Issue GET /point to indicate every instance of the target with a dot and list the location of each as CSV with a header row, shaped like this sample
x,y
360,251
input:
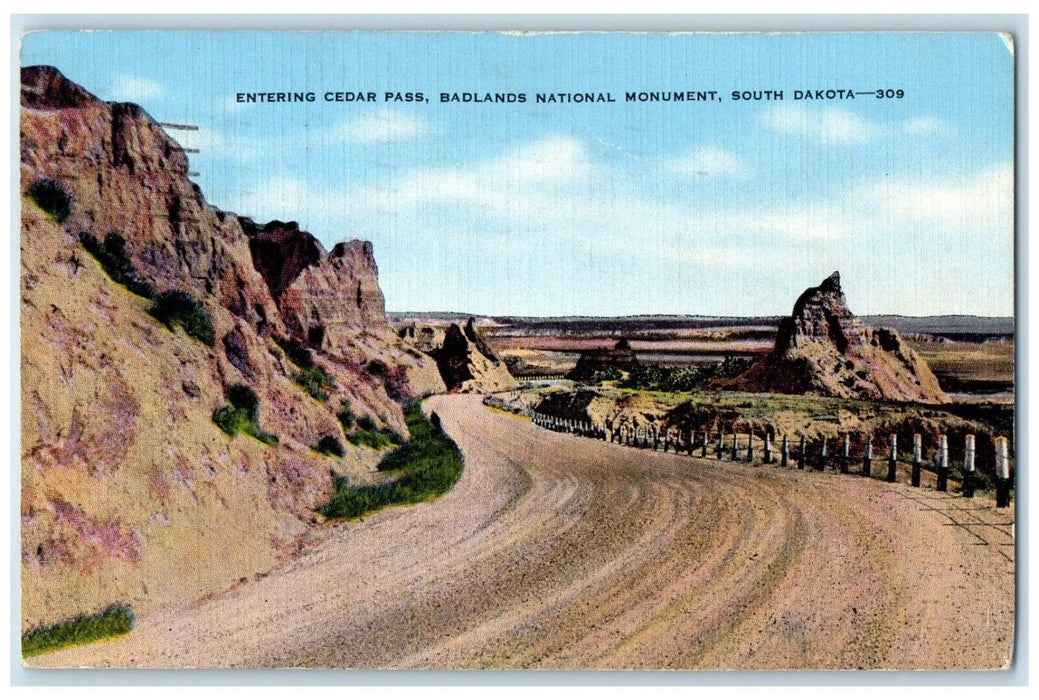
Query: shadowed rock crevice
x,y
280,252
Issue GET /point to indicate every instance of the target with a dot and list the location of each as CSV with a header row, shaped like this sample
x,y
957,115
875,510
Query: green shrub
x,y
346,417
244,397
311,378
316,382
177,308
231,420
300,356
377,439
429,465
242,415
53,198
112,622
116,263
683,379
369,434
328,445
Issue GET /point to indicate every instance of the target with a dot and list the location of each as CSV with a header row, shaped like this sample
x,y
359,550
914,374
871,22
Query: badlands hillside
x,y
146,313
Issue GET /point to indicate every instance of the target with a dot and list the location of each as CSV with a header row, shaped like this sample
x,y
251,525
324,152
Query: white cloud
x,y
829,126
548,200
841,127
926,126
385,126
709,162
965,205
128,88
504,186
556,159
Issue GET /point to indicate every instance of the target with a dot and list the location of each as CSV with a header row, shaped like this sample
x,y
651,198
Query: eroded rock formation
x,y
593,363
130,492
465,360
823,349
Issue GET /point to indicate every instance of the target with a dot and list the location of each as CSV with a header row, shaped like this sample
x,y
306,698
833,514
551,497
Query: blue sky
x,y
724,207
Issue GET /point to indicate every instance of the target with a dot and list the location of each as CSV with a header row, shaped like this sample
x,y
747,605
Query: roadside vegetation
x,y
428,466
368,434
679,379
111,622
365,432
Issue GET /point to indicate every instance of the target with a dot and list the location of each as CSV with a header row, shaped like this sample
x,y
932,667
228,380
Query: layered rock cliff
x,y
823,349
466,362
131,493
333,302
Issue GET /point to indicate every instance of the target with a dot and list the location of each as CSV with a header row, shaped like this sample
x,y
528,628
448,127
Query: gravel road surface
x,y
555,551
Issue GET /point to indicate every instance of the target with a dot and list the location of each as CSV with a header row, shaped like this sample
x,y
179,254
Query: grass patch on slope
x,y
242,415
368,434
52,197
429,465
111,622
177,308
311,378
111,253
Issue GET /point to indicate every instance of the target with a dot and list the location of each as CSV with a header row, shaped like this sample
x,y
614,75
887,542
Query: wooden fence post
x,y
845,454
867,457
968,467
917,460
768,449
719,449
822,456
943,463
892,460
703,447
750,447
1002,473
801,454
784,460
735,447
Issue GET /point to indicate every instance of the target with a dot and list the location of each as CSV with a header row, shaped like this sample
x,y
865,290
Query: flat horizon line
x,y
676,316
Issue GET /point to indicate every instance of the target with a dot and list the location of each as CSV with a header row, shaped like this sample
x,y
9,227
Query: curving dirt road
x,y
562,552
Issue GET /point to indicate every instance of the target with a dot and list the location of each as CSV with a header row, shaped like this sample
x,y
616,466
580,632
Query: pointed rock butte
x,y
823,349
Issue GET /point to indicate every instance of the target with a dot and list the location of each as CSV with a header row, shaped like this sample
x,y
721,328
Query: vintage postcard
x,y
489,350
